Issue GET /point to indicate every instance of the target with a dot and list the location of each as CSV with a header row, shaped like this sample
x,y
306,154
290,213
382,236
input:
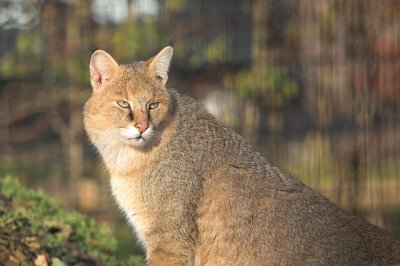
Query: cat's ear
x,y
159,64
102,69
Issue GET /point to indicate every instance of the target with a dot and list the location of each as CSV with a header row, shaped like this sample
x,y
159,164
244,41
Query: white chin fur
x,y
133,137
130,132
110,140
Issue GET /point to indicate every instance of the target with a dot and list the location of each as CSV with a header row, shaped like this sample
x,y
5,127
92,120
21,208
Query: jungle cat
x,y
197,194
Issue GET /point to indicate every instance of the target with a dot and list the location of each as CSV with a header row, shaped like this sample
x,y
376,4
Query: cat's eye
x,y
123,104
153,105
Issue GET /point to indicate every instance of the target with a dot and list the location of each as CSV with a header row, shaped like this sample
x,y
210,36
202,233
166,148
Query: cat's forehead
x,y
136,72
134,81
139,66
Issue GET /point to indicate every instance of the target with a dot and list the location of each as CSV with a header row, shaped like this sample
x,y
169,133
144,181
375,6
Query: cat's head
x,y
130,104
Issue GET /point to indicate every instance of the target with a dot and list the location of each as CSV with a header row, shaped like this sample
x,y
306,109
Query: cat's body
x,y
197,194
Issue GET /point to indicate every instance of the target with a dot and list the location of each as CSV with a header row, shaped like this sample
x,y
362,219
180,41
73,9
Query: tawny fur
x,y
197,194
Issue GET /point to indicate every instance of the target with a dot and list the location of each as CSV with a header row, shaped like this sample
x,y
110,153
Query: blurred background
x,y
313,85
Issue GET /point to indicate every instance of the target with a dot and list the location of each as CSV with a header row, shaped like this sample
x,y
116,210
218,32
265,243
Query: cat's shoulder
x,y
187,107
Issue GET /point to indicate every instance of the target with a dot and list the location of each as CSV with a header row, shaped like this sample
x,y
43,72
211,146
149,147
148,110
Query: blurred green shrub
x,y
272,86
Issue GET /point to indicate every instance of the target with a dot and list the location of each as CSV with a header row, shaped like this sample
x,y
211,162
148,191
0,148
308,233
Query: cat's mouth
x,y
135,142
135,138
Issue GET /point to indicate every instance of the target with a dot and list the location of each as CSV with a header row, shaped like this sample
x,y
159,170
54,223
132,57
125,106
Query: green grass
x,y
33,225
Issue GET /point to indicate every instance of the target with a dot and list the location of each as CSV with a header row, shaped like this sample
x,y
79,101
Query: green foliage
x,y
215,51
33,224
175,5
272,86
7,66
29,44
195,52
30,169
24,60
129,41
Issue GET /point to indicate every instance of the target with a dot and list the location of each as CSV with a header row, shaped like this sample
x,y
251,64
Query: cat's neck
x,y
123,160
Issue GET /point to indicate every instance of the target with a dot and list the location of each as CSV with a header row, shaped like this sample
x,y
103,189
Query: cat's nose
x,y
142,127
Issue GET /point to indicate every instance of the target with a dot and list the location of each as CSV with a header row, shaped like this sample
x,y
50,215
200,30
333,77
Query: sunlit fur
x,y
111,128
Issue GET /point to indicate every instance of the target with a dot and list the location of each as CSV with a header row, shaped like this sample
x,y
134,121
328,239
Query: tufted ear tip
x,y
102,69
159,64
